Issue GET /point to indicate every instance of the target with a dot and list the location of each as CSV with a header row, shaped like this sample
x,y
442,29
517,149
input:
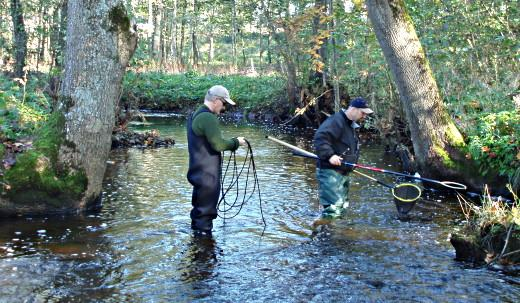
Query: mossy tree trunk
x,y
436,140
100,43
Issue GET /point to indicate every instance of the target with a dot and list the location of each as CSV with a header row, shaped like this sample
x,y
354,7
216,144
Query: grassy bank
x,y
158,91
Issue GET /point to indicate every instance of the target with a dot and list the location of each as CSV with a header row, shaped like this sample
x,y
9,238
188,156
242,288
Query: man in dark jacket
x,y
205,144
336,140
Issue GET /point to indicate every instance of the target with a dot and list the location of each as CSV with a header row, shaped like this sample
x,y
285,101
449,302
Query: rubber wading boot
x,y
334,211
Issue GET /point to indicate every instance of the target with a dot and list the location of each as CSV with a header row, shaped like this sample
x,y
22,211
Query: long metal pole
x,y
449,184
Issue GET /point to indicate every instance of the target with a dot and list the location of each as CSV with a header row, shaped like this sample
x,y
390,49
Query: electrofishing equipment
x,y
447,184
223,206
405,194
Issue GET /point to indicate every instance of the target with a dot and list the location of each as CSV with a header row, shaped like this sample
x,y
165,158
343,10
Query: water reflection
x,y
200,260
57,257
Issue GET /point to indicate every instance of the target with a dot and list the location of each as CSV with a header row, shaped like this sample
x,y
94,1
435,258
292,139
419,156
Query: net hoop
x,y
454,185
409,185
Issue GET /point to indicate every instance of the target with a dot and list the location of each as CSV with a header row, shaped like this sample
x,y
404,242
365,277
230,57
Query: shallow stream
x,y
139,246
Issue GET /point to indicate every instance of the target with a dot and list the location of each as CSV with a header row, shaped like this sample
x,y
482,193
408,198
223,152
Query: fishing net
x,y
405,196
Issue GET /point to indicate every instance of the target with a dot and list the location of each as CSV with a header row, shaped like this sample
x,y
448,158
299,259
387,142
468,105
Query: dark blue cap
x,y
361,104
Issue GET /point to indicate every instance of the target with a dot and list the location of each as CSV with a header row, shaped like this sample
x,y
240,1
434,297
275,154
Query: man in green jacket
x,y
205,144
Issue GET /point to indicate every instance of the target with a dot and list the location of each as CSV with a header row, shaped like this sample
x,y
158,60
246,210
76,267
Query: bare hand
x,y
335,160
241,140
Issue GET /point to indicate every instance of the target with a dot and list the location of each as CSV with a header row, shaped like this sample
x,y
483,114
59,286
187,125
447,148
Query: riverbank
x,y
491,137
491,233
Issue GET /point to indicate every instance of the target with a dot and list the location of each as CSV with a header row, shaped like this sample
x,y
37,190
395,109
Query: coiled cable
x,y
233,208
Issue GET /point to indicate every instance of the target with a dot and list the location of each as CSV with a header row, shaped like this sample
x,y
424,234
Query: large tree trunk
x,y
97,54
181,60
319,55
333,58
292,85
20,37
434,135
234,32
283,40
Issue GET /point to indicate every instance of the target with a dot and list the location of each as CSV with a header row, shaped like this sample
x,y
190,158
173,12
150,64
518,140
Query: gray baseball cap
x,y
220,91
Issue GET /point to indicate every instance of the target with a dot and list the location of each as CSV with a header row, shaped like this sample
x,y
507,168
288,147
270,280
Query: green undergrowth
x,y
23,106
494,143
161,91
35,177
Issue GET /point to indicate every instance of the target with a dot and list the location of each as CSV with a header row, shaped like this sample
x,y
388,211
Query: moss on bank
x,y
35,178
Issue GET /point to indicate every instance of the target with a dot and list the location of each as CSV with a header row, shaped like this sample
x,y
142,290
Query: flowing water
x,y
139,246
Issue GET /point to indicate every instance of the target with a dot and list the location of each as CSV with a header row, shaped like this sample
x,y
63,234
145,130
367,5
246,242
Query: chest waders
x,y
334,181
204,174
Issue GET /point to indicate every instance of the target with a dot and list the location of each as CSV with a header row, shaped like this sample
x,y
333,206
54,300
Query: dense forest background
x,y
471,45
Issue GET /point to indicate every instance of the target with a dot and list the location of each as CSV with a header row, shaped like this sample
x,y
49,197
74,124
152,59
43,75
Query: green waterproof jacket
x,y
206,124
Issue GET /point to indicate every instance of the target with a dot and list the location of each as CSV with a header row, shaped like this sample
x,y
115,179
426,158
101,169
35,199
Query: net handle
x,y
374,179
301,152
447,184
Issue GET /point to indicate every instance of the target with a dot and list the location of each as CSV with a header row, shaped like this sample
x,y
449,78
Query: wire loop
x,y
223,206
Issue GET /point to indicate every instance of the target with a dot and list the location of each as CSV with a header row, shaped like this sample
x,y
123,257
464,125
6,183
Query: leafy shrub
x,y
495,145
